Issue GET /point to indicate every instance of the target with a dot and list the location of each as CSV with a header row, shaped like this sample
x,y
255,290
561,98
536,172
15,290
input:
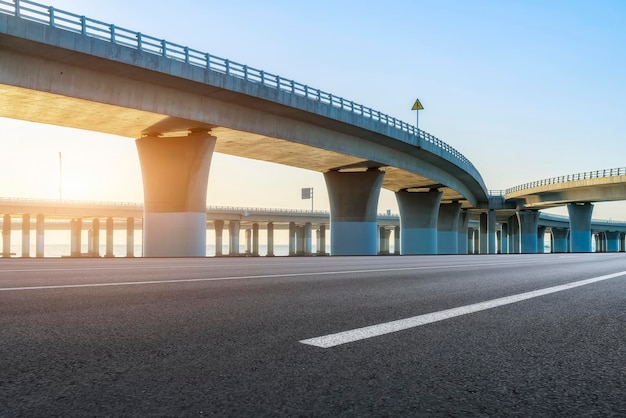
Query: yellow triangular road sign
x,y
417,105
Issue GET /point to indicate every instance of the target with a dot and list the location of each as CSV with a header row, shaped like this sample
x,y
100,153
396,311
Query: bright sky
x,y
526,89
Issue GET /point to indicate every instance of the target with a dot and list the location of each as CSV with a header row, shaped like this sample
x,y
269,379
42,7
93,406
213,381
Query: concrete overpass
x,y
181,105
577,191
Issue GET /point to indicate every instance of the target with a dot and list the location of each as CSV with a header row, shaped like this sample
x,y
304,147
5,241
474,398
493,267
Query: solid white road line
x,y
339,338
261,276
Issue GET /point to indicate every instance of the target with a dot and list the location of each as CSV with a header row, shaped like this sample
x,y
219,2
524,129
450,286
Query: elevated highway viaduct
x,y
181,105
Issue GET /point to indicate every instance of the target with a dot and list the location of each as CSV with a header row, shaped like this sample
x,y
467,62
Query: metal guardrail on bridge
x,y
56,18
612,172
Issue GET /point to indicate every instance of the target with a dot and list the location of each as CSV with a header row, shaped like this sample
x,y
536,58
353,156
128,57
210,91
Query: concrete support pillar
x,y
175,174
292,238
514,238
470,240
448,228
541,239
270,239
233,230
621,242
109,244
6,236
255,239
308,238
248,241
580,227
299,240
476,239
76,230
218,227
483,234
529,222
26,235
463,224
560,237
419,213
504,238
498,241
95,240
612,241
353,200
321,249
130,237
491,232
596,241
41,227
396,240
384,235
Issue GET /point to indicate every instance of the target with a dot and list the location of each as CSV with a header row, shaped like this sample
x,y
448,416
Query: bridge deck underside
x,y
47,108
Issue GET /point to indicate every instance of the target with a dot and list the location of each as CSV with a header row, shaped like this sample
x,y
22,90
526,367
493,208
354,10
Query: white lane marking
x,y
263,276
332,340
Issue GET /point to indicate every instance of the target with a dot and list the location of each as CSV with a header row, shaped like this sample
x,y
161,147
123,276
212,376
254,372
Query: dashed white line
x,y
332,340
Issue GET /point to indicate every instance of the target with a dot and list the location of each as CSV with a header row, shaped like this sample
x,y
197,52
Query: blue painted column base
x,y
354,238
419,241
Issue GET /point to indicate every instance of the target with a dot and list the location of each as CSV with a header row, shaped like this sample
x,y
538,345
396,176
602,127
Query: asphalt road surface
x,y
457,336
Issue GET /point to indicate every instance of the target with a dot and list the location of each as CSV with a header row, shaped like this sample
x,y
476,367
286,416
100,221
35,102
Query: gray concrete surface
x,y
220,337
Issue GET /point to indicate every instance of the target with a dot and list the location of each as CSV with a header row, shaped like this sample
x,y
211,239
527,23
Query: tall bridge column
x,y
448,228
463,223
308,238
175,174
41,226
26,235
491,232
396,240
514,247
621,242
218,227
529,223
255,239
270,239
95,243
233,235
541,239
76,228
109,244
560,238
504,237
580,227
300,240
321,249
483,234
353,211
130,237
612,241
384,240
469,238
292,238
6,236
419,213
